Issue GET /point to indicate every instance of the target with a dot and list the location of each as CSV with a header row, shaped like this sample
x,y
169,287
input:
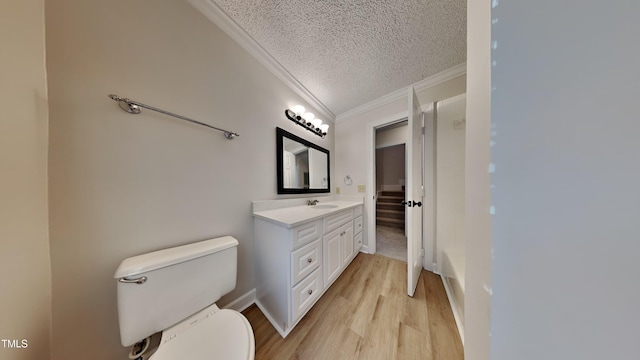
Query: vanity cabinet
x,y
295,264
288,270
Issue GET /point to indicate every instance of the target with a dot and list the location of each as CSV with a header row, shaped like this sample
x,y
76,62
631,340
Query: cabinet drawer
x,y
334,221
305,294
306,233
357,211
357,242
305,260
357,225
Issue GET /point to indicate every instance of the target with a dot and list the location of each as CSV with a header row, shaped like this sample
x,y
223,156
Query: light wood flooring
x,y
366,314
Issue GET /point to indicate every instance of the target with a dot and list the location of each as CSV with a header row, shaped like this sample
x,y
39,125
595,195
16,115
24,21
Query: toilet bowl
x,y
210,334
174,291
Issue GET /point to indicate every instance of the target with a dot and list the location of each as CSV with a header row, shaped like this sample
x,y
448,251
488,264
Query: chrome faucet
x,y
312,202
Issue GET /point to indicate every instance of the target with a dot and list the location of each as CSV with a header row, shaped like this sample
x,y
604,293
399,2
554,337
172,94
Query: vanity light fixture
x,y
307,120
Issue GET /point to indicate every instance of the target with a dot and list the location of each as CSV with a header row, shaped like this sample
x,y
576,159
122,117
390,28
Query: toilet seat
x,y
210,334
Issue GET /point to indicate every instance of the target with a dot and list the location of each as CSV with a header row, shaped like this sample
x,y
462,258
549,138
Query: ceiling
x,y
349,52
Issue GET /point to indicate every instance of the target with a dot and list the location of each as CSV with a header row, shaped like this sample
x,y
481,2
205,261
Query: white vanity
x,y
299,252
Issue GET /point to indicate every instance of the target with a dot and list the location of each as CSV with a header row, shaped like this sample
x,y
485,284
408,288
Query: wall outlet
x,y
337,190
362,188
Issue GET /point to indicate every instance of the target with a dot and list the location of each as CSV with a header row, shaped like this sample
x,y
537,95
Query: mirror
x,y
302,167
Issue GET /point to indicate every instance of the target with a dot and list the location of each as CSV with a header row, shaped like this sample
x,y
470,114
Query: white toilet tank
x,y
159,289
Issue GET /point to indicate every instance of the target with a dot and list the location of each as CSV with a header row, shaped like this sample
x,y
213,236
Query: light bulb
x,y
324,128
308,116
316,122
298,109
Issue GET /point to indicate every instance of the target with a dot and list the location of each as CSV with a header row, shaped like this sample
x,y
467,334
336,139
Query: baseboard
x,y
243,302
365,249
454,308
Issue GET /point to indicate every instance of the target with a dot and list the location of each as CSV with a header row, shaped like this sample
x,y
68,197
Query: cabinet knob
x,y
309,260
310,292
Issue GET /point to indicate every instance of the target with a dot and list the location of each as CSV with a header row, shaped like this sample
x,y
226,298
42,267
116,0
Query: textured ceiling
x,y
349,52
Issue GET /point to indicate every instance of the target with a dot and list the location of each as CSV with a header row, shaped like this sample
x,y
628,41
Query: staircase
x,y
389,209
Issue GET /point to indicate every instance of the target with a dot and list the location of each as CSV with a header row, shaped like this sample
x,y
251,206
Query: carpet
x,y
391,242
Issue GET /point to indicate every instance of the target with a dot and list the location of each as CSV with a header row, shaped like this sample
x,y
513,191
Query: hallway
x,y
391,242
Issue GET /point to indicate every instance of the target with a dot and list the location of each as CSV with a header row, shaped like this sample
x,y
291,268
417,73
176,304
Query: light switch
x,y
337,190
362,188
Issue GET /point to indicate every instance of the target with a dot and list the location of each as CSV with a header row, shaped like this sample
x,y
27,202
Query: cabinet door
x,y
347,243
332,261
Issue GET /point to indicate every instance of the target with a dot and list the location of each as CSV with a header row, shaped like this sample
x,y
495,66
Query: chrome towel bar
x,y
133,107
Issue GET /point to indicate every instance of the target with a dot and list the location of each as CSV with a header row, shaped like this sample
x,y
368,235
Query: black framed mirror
x,y
302,166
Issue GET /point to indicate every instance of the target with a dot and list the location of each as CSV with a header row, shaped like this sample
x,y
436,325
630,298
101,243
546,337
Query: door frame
x,y
429,168
428,240
370,201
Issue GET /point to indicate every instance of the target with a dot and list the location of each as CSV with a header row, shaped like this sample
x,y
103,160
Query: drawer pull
x,y
309,260
310,291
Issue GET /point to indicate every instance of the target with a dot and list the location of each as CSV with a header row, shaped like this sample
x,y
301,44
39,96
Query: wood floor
x,y
366,314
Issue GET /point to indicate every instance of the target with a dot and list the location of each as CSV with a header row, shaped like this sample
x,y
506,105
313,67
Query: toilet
x,y
174,291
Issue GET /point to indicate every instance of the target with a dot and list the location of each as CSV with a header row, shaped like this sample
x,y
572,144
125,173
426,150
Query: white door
x,y
414,192
288,169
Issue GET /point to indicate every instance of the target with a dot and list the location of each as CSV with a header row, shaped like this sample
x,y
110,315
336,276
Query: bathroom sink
x,y
325,206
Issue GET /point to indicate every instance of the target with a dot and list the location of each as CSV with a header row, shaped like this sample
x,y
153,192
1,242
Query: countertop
x,y
298,215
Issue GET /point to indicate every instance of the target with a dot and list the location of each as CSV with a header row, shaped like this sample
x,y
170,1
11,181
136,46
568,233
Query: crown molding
x,y
214,13
399,94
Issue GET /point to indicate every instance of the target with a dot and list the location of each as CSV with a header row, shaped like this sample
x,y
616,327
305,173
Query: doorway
x,y
419,190
390,164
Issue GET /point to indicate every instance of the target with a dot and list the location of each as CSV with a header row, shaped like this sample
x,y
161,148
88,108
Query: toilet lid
x,y
225,335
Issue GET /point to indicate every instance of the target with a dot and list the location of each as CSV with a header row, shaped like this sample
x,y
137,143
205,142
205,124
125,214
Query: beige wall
x,y
390,164
126,184
25,280
389,137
